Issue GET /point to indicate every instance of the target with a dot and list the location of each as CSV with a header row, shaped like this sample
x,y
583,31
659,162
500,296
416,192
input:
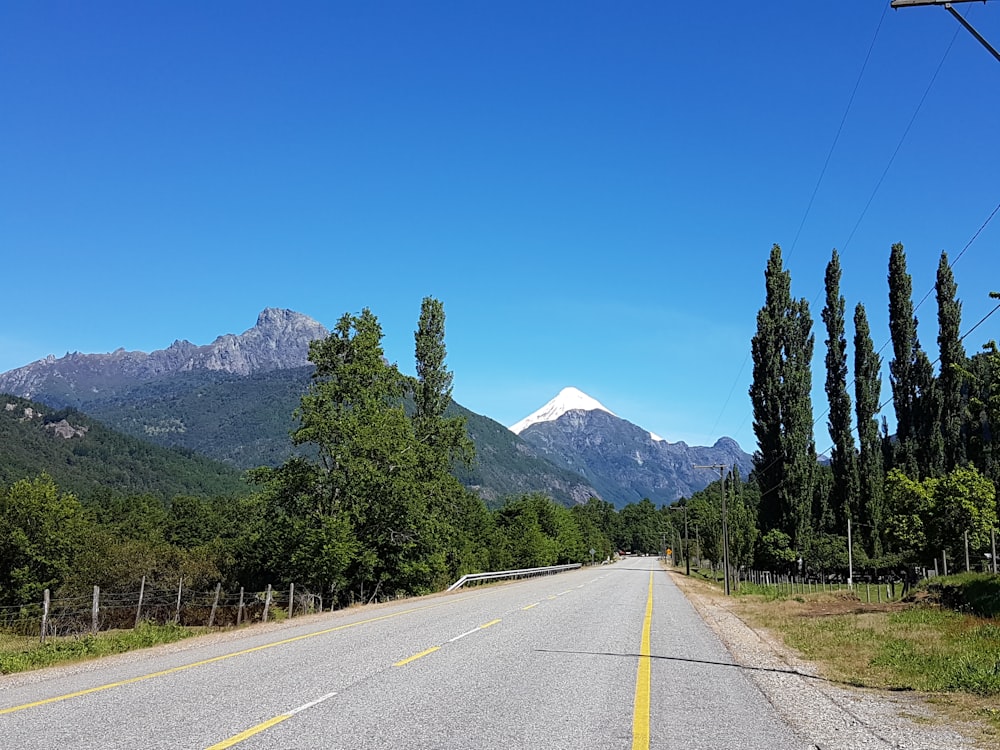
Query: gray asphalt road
x,y
553,662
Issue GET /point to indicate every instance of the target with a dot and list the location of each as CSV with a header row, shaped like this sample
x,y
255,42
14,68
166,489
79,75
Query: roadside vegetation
x,y
951,657
22,653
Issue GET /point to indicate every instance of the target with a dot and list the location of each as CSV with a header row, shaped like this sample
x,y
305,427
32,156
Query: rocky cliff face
x,y
279,340
624,462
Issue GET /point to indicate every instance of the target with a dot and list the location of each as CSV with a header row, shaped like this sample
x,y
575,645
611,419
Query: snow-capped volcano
x,y
569,399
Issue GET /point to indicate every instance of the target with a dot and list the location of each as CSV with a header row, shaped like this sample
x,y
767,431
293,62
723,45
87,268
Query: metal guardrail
x,y
523,573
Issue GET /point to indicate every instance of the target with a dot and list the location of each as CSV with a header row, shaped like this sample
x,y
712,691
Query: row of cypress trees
x,y
945,419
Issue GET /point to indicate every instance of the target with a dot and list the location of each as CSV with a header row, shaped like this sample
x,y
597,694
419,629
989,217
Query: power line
x,y
840,129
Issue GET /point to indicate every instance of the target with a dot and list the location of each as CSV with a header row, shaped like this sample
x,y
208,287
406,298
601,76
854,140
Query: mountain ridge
x,y
279,340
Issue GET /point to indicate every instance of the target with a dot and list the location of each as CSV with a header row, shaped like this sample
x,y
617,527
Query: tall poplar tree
x,y
867,392
843,460
953,363
445,438
457,516
780,394
902,367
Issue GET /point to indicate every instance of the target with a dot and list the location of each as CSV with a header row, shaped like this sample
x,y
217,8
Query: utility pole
x,y
725,521
687,539
897,4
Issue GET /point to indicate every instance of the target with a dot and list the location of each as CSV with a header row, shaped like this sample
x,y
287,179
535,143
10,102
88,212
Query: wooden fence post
x,y
94,609
45,613
215,604
138,610
239,610
177,612
267,602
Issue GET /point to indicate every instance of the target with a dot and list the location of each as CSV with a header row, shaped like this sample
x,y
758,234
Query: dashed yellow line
x,y
238,738
640,713
422,654
530,606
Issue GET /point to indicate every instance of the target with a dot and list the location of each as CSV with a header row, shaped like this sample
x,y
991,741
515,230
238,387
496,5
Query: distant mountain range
x,y
233,401
624,462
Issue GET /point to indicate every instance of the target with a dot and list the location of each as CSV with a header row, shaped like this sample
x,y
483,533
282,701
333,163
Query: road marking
x,y
530,606
223,657
246,734
422,654
640,713
475,630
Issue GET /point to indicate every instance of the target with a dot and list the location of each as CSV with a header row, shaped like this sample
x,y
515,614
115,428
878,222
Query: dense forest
x,y
371,508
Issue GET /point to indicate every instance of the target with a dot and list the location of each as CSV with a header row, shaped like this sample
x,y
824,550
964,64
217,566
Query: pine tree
x,y
780,393
953,363
843,460
867,392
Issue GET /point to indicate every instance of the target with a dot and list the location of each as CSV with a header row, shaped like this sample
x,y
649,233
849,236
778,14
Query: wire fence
x,y
122,609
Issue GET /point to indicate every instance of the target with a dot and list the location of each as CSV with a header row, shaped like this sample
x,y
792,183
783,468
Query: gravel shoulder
x,y
829,716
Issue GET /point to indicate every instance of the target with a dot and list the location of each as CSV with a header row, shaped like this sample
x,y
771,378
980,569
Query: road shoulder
x,y
827,715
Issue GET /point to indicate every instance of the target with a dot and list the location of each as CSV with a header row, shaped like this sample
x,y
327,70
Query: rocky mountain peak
x,y
279,340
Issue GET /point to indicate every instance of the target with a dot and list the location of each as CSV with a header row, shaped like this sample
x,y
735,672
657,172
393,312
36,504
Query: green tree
x,y
363,488
455,516
843,460
867,393
964,502
902,367
641,527
42,531
909,505
983,376
741,516
775,552
780,394
953,365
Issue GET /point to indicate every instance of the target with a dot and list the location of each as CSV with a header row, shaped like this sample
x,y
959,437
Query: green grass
x,y
18,654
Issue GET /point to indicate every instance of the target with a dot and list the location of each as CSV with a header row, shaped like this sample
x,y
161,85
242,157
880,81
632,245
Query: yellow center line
x,y
640,713
246,734
407,660
223,657
530,606
488,624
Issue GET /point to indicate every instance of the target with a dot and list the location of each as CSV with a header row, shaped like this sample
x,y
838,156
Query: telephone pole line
x,y
897,4
725,521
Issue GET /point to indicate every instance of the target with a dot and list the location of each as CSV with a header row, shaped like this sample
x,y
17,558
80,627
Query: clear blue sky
x,y
591,189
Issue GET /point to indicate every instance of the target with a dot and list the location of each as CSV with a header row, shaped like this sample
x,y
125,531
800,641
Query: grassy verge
x,y
19,654
951,658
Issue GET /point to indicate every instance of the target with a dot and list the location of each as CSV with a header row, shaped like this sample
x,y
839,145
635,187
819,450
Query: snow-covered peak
x,y
569,399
